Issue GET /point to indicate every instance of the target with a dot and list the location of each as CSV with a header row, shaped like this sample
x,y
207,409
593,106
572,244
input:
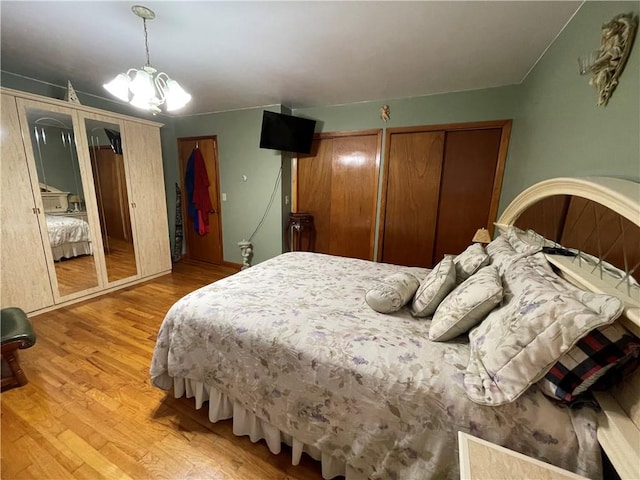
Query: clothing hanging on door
x,y
197,185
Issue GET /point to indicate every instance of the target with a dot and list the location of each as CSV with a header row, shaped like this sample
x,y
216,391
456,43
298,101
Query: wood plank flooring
x,y
89,410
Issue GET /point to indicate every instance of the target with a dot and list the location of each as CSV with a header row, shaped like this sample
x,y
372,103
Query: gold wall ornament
x,y
385,113
615,46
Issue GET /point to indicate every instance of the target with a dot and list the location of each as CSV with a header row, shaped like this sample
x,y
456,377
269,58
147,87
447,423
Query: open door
x,y
206,247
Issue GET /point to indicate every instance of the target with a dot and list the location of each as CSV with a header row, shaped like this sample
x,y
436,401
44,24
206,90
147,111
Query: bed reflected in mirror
x,y
107,164
59,177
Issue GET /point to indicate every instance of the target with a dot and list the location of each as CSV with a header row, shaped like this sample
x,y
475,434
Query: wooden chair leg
x,y
12,359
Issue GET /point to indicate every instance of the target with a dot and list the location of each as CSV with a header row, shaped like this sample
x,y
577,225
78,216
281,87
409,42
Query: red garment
x,y
203,228
201,198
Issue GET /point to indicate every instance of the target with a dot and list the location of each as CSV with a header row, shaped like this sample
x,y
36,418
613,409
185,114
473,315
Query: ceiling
x,y
234,55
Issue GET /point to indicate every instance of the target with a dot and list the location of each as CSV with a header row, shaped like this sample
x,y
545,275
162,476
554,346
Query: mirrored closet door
x,y
105,145
61,178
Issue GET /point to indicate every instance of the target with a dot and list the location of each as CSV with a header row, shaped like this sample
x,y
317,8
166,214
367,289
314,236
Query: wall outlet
x,y
286,199
224,197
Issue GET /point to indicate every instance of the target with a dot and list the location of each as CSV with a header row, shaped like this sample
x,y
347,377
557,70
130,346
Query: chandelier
x,y
147,88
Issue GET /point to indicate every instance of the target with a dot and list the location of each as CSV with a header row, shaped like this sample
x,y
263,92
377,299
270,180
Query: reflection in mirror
x,y
107,163
56,158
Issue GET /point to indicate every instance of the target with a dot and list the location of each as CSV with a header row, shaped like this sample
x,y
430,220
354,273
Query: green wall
x,y
475,105
238,134
558,130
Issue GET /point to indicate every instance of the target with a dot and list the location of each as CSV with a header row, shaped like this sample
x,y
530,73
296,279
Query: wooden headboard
x,y
53,200
599,219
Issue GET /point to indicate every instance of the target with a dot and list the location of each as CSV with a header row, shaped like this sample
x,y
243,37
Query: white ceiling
x,y
233,55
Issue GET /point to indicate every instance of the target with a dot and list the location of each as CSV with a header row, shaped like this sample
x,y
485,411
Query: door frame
x,y
185,213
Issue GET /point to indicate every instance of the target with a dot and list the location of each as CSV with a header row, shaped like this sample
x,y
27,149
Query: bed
x,y
68,236
293,352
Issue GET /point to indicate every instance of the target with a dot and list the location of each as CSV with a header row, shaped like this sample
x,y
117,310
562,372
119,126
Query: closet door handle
x,y
212,211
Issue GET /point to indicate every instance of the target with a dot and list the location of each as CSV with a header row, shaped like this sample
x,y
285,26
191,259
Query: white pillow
x,y
467,305
502,254
518,343
392,293
470,261
435,286
519,245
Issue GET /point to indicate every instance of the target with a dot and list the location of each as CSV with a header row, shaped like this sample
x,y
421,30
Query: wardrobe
x,y
83,202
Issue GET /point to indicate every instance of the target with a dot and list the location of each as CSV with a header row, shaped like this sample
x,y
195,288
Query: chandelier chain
x,y
146,40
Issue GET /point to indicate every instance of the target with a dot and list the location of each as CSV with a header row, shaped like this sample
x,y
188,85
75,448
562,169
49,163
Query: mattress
x,y
294,343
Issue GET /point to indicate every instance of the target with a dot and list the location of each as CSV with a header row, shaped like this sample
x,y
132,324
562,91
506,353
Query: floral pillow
x,y
467,305
519,245
503,255
589,360
517,344
393,292
435,286
470,261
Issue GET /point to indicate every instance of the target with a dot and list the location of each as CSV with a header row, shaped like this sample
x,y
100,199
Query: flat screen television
x,y
286,133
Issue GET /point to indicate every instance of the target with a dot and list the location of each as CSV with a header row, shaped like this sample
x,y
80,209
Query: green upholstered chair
x,y
17,333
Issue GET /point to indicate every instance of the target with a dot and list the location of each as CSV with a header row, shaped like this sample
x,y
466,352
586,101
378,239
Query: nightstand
x,y
482,460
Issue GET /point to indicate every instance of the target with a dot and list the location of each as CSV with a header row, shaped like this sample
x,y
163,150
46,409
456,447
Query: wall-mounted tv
x,y
286,133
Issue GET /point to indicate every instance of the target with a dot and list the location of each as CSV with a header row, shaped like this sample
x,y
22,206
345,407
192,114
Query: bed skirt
x,y
222,407
70,250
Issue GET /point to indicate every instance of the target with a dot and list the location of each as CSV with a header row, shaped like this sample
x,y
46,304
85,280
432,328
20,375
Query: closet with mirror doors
x,y
81,174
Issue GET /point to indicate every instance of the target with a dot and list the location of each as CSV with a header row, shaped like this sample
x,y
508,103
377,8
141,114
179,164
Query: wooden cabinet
x,y
146,187
106,164
24,270
440,184
338,184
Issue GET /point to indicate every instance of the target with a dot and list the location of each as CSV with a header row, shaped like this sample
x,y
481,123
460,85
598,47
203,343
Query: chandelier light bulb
x,y
145,87
176,96
119,87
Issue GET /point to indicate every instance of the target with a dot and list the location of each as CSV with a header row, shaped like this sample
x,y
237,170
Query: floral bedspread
x,y
66,230
293,340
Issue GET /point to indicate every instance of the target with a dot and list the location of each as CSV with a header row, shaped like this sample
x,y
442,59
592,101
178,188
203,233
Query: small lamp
x,y
482,236
75,200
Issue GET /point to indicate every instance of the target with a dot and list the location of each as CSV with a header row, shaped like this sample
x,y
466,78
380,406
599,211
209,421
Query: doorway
x,y
202,247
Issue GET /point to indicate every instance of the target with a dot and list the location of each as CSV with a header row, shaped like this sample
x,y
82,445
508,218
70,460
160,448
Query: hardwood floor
x,y
75,274
89,410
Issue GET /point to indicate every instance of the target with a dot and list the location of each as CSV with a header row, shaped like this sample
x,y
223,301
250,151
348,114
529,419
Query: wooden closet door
x,y
354,188
111,185
412,190
466,188
314,190
338,185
